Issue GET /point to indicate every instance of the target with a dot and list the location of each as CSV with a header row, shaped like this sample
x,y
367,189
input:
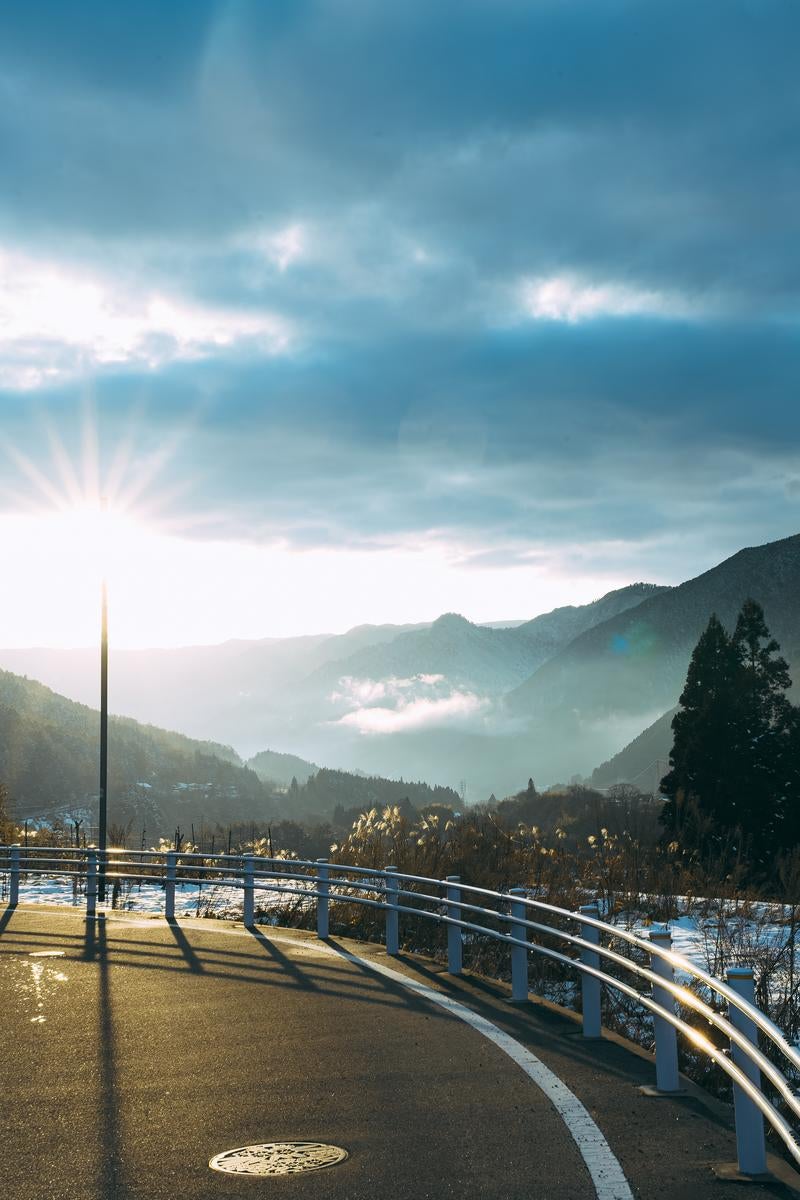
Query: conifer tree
x,y
760,731
736,754
702,770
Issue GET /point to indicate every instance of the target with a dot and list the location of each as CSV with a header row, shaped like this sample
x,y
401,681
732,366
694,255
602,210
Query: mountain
x,y
625,672
159,780
469,706
636,662
307,694
344,796
644,761
49,752
487,659
272,767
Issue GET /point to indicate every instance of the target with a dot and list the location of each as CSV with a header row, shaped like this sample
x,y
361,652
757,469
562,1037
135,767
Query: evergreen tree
x,y
787,832
734,760
763,719
702,771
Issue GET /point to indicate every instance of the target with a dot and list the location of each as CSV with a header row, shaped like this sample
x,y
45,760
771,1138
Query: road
x,y
135,1050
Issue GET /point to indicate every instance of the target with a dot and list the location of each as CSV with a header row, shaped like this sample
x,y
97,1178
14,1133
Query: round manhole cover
x,y
278,1158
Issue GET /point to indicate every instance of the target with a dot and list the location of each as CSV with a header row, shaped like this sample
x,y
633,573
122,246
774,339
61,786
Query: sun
x,y
92,515
102,534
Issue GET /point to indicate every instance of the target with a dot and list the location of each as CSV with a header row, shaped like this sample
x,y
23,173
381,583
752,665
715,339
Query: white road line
x,y
606,1173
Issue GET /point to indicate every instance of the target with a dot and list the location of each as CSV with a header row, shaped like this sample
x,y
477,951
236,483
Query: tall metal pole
x,y
103,815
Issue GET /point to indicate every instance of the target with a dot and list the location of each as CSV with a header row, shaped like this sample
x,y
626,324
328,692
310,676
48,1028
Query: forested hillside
x,y
49,752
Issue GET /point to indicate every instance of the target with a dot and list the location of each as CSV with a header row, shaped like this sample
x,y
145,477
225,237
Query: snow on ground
x,y
215,899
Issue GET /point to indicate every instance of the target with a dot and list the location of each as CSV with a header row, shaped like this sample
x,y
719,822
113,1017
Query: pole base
x,y
731,1174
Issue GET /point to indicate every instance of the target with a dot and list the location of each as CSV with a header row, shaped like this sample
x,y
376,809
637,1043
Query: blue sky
x,y
505,289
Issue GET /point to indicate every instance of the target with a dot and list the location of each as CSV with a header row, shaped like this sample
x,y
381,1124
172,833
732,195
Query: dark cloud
x,y
654,141
429,159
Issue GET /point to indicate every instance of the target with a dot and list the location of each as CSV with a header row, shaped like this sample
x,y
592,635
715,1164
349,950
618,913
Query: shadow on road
x,y
192,961
109,1182
403,995
282,960
251,956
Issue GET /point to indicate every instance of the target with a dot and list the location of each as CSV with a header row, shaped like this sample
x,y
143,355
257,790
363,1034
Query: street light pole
x,y
103,815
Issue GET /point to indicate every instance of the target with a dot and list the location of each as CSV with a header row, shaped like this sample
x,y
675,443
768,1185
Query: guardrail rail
x,y
589,945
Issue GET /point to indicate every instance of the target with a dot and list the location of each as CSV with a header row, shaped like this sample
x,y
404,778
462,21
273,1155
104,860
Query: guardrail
x,y
590,945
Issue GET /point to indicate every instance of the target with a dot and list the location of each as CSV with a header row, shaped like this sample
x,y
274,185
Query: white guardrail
x,y
462,908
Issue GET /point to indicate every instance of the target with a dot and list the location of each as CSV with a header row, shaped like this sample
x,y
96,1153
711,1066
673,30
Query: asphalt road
x,y
134,1051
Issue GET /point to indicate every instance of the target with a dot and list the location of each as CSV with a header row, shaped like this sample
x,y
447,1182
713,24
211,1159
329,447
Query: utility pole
x,y
103,815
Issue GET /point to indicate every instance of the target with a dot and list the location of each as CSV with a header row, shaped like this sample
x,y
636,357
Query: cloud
x,y
396,705
562,298
516,280
624,143
282,247
360,692
421,713
56,320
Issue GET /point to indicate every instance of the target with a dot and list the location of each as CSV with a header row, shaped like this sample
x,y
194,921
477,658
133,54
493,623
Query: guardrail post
x,y
169,886
667,1076
590,987
13,877
249,904
392,915
91,884
323,888
454,949
750,1147
519,955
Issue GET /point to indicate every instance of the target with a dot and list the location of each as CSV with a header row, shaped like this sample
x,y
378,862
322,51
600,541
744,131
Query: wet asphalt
x,y
135,1050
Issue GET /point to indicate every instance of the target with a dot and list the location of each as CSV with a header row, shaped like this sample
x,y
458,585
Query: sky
x,y
365,312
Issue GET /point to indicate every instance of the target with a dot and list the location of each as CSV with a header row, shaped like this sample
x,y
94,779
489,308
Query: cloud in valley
x,y
405,705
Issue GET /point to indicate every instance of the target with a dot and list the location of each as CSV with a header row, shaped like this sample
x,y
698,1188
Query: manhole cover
x,y
278,1158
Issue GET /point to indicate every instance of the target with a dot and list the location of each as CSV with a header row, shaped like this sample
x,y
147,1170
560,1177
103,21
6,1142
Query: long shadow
x,y
8,913
109,1183
192,961
406,997
539,1027
542,1027
90,941
326,979
284,962
290,974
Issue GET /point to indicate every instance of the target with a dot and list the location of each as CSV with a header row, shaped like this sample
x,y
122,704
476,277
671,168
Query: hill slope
x,y
49,751
636,662
644,761
272,767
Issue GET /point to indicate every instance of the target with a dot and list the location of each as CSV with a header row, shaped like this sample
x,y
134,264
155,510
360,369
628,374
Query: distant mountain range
x,y
475,707
484,658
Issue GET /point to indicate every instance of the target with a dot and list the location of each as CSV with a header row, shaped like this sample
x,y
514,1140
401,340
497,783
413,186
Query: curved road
x,y
135,1050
